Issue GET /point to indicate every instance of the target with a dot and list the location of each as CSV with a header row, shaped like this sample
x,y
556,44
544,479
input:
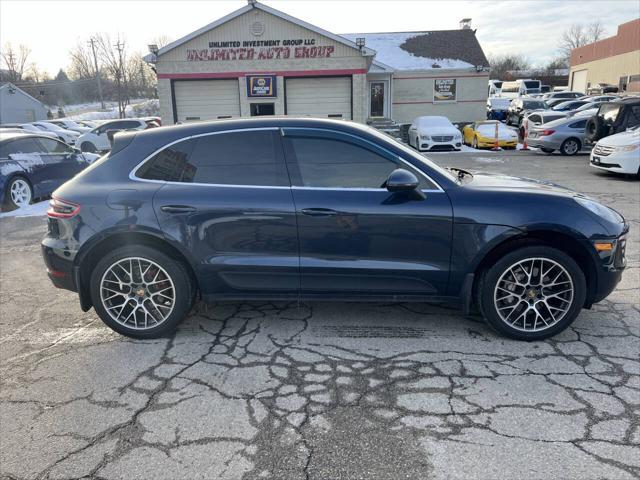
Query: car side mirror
x,y
401,180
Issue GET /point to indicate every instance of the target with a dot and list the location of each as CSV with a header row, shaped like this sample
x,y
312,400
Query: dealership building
x,y
261,61
614,60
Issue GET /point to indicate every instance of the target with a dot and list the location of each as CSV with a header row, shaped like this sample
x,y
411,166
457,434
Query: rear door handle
x,y
319,212
177,209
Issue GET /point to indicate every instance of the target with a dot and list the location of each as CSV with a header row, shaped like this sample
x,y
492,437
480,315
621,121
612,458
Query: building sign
x,y
444,90
261,85
260,50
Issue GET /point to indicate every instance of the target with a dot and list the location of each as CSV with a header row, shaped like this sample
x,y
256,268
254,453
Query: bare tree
x,y
113,56
578,35
501,64
15,61
33,74
161,40
82,65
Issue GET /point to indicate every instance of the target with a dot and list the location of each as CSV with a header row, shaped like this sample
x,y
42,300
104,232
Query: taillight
x,y
62,208
547,132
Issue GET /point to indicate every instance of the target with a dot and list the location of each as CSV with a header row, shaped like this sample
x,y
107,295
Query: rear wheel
x,y
140,292
532,293
18,193
570,146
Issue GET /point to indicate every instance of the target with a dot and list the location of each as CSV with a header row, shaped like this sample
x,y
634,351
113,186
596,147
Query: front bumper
x,y
627,163
490,143
612,264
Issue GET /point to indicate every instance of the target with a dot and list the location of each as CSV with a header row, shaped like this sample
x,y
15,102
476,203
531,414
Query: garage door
x,y
579,81
319,97
206,99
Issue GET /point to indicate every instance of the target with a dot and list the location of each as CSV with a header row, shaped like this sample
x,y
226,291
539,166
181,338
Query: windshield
x,y
532,84
586,106
434,122
534,104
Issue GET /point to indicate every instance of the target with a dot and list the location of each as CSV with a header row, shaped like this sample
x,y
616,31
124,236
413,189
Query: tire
x,y
168,303
570,147
547,150
594,129
567,304
88,147
18,193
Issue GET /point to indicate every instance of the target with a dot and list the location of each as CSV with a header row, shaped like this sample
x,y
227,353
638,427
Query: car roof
x,y
11,135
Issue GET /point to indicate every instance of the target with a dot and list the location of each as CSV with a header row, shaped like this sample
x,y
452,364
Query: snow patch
x,y
33,210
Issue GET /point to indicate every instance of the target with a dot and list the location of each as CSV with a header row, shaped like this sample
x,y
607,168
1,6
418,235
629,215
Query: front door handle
x,y
319,212
177,209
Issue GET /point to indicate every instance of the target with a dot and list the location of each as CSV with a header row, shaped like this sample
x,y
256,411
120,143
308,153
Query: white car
x,y
70,125
619,153
434,133
97,140
67,136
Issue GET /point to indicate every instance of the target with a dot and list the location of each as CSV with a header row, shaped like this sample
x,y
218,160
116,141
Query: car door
x,y
27,153
226,200
64,162
356,237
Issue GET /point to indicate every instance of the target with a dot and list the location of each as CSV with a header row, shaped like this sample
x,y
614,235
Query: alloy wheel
x,y
570,147
20,192
137,293
533,294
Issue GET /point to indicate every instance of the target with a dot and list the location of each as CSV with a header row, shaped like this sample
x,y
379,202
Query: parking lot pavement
x,y
324,390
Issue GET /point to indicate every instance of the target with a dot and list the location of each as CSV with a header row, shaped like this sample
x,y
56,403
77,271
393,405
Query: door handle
x,y
319,212
177,209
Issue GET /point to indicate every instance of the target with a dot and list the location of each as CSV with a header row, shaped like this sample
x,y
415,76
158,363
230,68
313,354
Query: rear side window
x,y
580,124
23,145
235,158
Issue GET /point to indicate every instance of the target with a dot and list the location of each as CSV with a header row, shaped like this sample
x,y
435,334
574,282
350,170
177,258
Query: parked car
x,y
70,125
90,124
565,135
482,134
67,136
569,105
317,209
434,133
539,117
599,98
97,139
588,112
600,88
25,127
619,153
613,117
566,94
497,108
519,106
33,166
156,120
545,88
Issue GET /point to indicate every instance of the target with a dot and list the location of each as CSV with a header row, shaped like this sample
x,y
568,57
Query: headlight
x,y
600,210
458,136
628,148
425,137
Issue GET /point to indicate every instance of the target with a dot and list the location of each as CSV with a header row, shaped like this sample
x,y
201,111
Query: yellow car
x,y
482,134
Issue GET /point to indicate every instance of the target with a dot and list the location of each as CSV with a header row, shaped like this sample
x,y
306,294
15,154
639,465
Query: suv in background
x,y
600,88
97,140
613,117
520,106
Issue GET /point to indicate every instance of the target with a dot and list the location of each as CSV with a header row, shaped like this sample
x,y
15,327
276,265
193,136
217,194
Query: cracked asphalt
x,y
321,390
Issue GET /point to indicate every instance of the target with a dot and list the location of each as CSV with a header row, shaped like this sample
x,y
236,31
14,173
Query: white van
x,y
495,88
519,88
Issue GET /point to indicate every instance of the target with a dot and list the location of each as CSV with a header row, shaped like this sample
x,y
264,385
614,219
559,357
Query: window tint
x,y
580,124
331,163
236,158
50,145
168,164
534,118
23,145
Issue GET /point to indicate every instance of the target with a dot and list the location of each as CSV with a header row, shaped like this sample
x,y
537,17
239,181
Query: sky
x,y
51,28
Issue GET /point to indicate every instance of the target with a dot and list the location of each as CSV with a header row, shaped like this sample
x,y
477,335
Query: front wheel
x,y
88,147
532,293
18,193
140,292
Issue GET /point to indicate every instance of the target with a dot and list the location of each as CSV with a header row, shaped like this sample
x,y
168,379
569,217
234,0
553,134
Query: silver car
x,y
565,135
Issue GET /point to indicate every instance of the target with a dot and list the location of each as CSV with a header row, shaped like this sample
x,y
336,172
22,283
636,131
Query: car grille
x,y
603,150
442,138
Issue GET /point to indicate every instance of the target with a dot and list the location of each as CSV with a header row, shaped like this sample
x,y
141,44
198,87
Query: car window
x,y
235,158
580,124
125,124
50,145
334,163
551,118
534,118
23,145
634,116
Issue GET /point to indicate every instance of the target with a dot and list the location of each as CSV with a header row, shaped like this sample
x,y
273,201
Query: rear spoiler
x,y
119,139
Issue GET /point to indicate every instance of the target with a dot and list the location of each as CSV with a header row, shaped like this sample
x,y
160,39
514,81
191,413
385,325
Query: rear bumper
x,y
60,267
544,142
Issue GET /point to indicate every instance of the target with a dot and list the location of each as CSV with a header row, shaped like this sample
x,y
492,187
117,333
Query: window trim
x,y
132,174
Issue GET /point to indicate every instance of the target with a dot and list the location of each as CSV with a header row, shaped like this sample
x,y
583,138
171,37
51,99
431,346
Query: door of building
x,y
377,98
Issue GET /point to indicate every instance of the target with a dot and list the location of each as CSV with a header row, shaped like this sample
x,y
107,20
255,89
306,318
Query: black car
x,y
613,117
311,209
32,166
520,106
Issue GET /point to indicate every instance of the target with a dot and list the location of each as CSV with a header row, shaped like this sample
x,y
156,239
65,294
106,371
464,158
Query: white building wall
x,y
18,107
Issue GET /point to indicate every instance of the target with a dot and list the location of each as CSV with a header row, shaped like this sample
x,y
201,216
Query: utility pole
x,y
120,78
143,80
92,42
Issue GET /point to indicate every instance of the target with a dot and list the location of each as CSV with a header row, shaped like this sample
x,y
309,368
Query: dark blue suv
x,y
310,209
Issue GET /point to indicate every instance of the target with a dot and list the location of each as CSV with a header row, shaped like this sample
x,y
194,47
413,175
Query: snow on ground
x,y
91,111
388,51
33,210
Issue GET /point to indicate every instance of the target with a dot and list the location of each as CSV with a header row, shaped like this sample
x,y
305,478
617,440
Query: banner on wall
x,y
261,86
444,90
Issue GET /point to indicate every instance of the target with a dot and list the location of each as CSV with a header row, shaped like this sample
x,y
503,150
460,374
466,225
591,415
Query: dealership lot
x,y
321,390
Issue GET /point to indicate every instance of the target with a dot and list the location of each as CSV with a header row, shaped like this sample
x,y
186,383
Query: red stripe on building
x,y
286,73
427,101
446,76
